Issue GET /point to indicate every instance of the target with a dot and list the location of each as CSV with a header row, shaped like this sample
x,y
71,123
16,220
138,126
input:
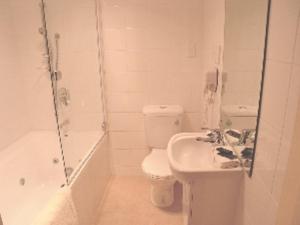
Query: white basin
x,y
190,157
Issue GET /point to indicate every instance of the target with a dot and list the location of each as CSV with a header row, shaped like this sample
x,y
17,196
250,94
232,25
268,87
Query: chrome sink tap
x,y
216,136
246,135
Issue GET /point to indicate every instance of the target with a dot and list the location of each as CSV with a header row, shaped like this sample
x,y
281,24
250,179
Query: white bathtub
x,y
30,157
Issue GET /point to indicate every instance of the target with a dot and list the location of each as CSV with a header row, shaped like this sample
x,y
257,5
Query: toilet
x,y
161,123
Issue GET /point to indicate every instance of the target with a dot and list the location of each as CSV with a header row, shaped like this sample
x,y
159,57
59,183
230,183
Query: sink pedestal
x,y
213,199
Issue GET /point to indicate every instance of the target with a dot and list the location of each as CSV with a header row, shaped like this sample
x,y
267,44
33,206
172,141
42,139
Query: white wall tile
x,y
126,122
265,162
287,132
281,95
113,39
131,157
135,39
155,67
297,50
284,20
276,88
192,122
125,102
137,61
128,140
113,14
126,82
22,82
115,61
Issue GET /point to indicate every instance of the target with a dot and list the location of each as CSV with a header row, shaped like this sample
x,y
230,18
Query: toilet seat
x,y
156,165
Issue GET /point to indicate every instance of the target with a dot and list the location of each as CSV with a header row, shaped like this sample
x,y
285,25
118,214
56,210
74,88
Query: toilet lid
x,y
156,164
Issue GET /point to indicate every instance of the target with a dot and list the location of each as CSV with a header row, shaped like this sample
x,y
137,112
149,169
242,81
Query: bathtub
x,y
28,176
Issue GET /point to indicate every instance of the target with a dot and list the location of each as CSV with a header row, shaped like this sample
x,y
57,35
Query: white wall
x,y
213,45
153,55
76,23
25,87
32,67
13,111
27,94
296,219
281,94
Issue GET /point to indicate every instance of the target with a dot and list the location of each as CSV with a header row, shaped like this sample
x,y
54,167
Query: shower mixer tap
x,y
64,96
64,127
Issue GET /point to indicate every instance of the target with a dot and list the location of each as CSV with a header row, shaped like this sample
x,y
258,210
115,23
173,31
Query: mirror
x,y
244,52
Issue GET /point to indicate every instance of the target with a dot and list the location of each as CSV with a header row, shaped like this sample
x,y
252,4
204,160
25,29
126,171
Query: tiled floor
x,y
128,203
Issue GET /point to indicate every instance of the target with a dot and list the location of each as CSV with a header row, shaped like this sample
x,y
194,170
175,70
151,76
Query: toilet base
x,y
162,193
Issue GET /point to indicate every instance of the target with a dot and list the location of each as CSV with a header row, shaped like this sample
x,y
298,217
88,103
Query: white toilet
x,y
161,123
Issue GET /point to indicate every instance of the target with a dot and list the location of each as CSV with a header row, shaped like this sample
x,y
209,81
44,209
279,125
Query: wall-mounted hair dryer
x,y
212,80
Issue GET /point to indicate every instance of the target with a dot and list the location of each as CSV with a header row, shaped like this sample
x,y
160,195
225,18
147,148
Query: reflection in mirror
x,y
245,31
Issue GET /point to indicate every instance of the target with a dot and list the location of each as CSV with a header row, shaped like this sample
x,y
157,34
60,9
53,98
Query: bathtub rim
x,y
80,166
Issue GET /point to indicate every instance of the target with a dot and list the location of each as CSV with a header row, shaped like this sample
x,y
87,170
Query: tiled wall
x,y
153,55
289,206
280,100
243,54
33,64
13,113
25,85
296,219
76,23
213,42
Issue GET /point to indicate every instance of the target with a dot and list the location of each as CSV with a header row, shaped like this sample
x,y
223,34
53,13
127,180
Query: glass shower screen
x,y
74,45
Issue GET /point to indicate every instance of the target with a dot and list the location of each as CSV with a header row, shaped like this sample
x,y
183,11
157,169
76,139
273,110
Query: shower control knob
x,y
41,30
22,181
55,160
177,122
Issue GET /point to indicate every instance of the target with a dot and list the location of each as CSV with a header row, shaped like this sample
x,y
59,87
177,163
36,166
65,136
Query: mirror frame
x,y
261,87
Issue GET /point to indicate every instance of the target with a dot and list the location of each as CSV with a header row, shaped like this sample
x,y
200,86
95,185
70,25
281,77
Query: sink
x,y
191,156
196,162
